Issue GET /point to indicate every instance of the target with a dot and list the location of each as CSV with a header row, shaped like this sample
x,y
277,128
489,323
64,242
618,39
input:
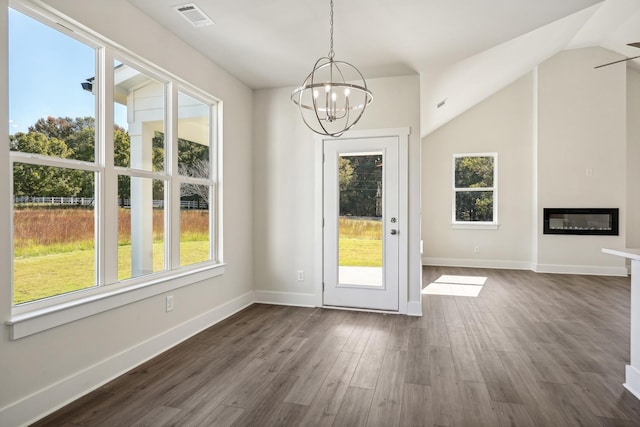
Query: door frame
x,y
402,136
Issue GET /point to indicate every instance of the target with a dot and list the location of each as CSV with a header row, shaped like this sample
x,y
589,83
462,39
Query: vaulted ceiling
x,y
464,50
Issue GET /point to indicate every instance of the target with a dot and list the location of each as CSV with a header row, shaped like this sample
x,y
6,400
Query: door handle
x,y
394,231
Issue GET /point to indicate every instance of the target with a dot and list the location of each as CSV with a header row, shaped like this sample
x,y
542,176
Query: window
x,y
96,210
475,192
194,167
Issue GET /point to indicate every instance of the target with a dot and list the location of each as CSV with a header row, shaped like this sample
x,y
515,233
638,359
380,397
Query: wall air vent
x,y
194,15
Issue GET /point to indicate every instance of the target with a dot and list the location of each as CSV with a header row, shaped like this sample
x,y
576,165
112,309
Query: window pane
x,y
140,226
474,206
139,114
193,137
474,172
194,224
360,222
49,112
53,225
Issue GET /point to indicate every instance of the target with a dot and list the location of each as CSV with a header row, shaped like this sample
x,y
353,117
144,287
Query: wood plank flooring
x,y
530,350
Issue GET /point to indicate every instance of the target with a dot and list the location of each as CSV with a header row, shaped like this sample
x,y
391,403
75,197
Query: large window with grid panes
x,y
115,167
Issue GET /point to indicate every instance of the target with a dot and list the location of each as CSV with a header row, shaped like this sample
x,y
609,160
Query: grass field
x,y
54,249
360,242
55,274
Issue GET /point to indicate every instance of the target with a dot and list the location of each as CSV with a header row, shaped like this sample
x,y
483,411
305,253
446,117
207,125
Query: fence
x,y
89,201
78,201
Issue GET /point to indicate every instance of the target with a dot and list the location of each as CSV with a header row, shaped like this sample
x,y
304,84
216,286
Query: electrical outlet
x,y
300,275
169,302
476,249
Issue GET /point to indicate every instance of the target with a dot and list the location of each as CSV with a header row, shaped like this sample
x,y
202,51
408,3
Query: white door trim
x,y
403,209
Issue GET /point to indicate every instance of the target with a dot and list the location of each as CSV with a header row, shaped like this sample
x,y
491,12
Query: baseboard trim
x,y
285,298
477,263
523,265
580,269
632,380
55,396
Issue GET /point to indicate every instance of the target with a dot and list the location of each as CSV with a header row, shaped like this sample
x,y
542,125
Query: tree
x,y
199,169
78,142
193,161
345,173
474,172
38,143
78,134
190,153
157,151
68,138
358,195
82,142
122,158
52,127
37,180
121,147
474,206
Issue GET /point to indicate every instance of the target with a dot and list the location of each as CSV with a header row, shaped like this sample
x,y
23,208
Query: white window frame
x,y
475,225
32,317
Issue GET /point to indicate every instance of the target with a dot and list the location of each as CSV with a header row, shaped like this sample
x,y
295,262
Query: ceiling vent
x,y
193,14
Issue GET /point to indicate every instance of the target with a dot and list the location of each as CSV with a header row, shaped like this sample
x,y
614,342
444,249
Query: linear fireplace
x,y
595,221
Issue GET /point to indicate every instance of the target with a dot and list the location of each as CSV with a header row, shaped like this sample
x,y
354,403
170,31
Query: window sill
x,y
25,324
476,226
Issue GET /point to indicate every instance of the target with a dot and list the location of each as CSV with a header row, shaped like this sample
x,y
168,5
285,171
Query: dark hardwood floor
x,y
530,350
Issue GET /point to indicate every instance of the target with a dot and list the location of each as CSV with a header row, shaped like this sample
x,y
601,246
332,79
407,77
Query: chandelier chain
x,y
331,53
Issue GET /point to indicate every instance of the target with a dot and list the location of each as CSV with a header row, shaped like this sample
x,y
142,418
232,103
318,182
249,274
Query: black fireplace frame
x,y
613,230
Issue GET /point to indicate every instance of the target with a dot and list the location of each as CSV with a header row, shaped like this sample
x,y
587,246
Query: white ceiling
x,y
275,43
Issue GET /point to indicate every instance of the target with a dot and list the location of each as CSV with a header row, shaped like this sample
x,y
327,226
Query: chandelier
x,y
334,95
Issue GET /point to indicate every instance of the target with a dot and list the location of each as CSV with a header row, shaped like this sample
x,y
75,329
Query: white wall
x,y
548,129
285,186
501,124
581,125
633,159
44,370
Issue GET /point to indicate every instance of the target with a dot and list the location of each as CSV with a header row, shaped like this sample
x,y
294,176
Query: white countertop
x,y
632,253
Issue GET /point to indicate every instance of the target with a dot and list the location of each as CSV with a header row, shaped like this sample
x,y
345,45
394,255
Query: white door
x,y
361,226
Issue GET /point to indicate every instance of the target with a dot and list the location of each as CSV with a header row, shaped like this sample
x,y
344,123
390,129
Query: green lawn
x,y
360,252
42,271
360,242
44,276
54,274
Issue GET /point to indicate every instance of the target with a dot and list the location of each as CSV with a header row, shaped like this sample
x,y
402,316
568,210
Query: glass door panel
x,y
360,247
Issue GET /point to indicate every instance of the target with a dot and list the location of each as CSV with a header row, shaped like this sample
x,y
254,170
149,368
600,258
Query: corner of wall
x,y
63,392
632,238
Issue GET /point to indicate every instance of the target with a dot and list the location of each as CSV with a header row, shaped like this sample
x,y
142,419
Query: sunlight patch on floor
x,y
458,286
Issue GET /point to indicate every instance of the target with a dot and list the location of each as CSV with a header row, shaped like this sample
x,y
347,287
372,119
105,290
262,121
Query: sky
x,y
46,69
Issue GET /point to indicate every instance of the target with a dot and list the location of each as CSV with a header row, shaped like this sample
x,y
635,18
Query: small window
x,y
475,187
